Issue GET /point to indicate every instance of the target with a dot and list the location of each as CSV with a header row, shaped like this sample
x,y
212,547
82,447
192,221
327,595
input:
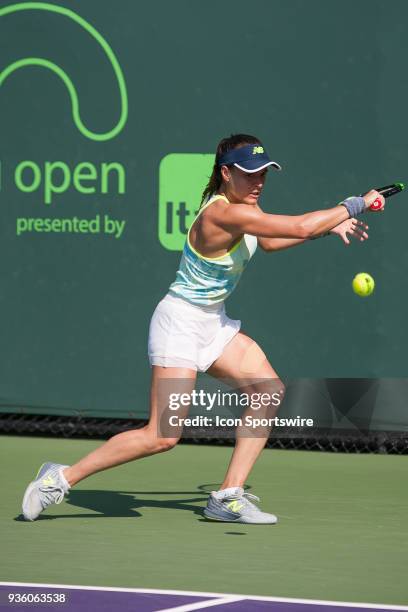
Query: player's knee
x,y
165,444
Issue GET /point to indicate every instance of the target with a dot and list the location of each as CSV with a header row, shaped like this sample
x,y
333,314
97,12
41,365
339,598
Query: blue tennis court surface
x,y
69,598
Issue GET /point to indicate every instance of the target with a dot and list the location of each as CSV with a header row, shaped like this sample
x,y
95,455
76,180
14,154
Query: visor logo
x,y
256,150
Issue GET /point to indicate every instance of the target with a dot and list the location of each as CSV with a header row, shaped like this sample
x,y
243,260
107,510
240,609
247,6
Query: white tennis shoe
x,y
235,506
49,487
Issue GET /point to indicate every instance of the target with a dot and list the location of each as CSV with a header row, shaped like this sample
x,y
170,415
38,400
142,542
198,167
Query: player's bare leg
x,y
54,480
244,365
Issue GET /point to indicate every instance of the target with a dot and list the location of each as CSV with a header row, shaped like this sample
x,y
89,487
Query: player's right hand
x,y
375,200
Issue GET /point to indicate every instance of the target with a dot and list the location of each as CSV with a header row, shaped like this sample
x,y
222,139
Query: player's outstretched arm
x,y
350,227
242,219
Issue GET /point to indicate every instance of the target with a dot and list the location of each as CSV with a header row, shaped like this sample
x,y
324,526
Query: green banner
x,y
110,117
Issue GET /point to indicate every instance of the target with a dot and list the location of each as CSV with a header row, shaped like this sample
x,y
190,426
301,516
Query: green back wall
x,y
321,83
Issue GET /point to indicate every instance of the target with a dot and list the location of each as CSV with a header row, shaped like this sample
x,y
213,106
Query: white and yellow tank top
x,y
210,280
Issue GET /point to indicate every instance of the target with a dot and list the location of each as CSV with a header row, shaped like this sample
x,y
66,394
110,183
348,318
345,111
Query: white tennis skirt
x,y
184,335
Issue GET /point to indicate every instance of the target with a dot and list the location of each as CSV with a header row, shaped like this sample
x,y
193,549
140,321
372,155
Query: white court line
x,y
202,604
316,602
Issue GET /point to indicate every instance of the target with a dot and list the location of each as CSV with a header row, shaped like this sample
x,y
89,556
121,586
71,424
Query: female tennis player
x,y
190,331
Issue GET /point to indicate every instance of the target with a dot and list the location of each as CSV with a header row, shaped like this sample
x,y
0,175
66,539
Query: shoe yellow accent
x,y
235,506
49,481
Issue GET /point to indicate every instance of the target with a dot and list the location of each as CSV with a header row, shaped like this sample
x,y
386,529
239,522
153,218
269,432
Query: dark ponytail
x,y
235,141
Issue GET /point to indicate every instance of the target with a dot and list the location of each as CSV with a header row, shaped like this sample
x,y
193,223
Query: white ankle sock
x,y
222,493
64,480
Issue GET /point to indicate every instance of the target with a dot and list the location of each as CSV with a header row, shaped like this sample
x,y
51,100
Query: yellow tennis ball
x,y
363,284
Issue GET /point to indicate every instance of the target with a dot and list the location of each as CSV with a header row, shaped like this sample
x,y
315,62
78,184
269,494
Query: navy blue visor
x,y
250,158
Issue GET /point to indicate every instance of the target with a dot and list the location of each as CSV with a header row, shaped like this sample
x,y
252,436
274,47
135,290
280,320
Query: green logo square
x,y
182,180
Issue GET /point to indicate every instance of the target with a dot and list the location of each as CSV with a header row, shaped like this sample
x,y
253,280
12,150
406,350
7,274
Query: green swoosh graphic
x,y
37,61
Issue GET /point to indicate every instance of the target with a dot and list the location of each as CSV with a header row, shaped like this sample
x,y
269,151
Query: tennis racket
x,y
386,192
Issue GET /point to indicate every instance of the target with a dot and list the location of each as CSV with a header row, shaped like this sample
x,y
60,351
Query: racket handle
x,y
386,192
390,190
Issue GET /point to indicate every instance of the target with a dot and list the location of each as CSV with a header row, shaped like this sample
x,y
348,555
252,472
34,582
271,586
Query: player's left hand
x,y
352,227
